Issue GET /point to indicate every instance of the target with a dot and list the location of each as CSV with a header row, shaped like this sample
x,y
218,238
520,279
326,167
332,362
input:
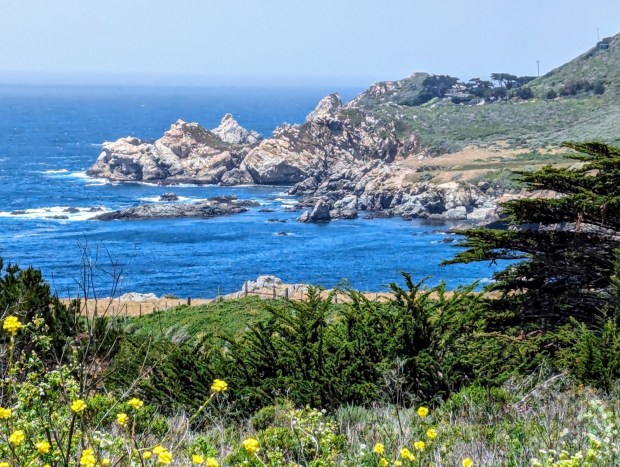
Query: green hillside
x,y
578,101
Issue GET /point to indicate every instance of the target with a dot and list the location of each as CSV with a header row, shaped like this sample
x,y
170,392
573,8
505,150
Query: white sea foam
x,y
55,213
56,171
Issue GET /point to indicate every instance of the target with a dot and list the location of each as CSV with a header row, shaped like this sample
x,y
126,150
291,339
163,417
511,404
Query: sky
x,y
290,42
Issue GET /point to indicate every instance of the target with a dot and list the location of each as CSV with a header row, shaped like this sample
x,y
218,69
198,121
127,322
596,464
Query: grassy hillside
x,y
186,323
581,111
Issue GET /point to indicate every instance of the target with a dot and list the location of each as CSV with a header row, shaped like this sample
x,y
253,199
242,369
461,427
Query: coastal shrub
x,y
24,293
423,344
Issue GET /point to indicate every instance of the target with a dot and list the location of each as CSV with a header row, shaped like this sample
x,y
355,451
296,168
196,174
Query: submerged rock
x,y
169,197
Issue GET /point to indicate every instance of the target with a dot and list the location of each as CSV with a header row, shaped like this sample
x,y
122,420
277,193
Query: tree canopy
x,y
564,244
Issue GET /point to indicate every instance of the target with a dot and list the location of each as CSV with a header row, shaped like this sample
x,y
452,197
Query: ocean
x,y
49,137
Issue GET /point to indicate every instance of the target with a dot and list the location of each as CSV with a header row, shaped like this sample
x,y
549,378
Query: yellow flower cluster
x,y
251,445
164,456
423,411
197,459
219,385
4,464
17,438
407,455
5,413
78,406
467,462
12,324
419,445
43,447
88,458
121,418
135,403
379,449
212,462
383,462
431,433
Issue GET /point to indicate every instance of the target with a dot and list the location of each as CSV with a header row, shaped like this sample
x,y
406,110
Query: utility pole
x,y
538,66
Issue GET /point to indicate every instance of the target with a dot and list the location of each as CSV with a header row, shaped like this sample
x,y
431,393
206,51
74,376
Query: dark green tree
x,y
564,245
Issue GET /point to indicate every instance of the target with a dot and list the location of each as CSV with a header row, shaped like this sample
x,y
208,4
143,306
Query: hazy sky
x,y
278,41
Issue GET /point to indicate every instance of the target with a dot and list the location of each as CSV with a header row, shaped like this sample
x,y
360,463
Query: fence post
x,y
274,292
189,301
245,289
286,293
140,311
336,298
376,296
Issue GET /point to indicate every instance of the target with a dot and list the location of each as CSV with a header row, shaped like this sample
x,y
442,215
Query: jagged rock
x,y
320,213
212,207
326,109
231,132
261,282
453,214
186,153
236,177
71,210
343,213
169,197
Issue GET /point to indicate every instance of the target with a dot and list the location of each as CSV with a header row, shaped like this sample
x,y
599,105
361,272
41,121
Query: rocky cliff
x,y
341,160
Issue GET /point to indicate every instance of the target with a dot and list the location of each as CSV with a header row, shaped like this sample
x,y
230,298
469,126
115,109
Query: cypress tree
x,y
563,244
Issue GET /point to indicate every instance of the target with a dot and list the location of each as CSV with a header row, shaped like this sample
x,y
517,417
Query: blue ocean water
x,y
50,135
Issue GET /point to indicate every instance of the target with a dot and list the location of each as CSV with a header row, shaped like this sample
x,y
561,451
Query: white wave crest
x,y
55,213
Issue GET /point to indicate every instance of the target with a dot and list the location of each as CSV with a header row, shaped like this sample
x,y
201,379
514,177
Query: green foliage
x,y
566,244
24,293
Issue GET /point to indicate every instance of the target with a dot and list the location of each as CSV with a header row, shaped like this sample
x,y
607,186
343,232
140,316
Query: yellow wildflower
x,y
106,462
383,462
121,418
251,445
17,438
197,459
43,447
5,413
157,450
398,463
78,406
431,433
419,445
12,324
423,411
4,464
212,462
467,462
165,458
219,385
379,449
88,458
146,455
135,403
407,454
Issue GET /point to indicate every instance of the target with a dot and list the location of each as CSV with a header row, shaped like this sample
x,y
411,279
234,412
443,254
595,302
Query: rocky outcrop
x,y
341,160
320,213
231,132
219,206
186,153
